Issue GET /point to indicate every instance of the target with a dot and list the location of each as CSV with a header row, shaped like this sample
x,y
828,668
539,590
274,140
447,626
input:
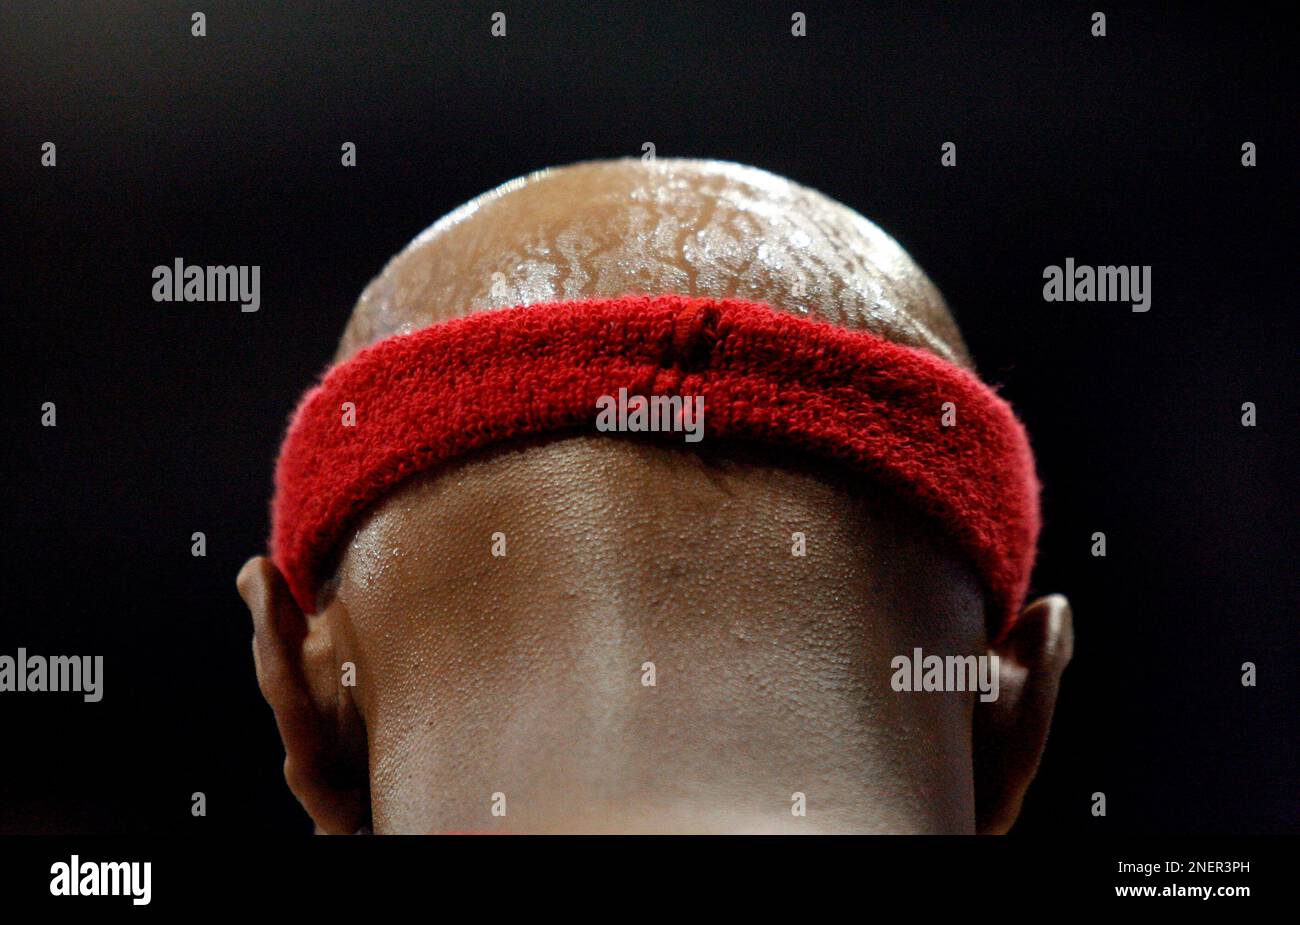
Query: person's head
x,y
598,632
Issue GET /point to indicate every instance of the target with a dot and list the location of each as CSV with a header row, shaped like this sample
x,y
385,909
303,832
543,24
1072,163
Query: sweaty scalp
x,y
692,227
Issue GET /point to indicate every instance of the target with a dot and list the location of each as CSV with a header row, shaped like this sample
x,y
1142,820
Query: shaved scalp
x,y
702,228
521,674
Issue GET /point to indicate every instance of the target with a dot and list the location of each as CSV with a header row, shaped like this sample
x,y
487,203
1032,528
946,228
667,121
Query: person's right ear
x,y
299,674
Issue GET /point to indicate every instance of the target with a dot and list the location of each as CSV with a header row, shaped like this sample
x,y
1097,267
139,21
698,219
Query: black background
x,y
225,150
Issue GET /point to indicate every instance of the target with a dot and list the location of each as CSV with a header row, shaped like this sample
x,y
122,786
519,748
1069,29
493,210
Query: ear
x,y
1010,732
299,673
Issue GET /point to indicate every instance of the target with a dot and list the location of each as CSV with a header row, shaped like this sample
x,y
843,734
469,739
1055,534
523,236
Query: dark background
x,y
225,150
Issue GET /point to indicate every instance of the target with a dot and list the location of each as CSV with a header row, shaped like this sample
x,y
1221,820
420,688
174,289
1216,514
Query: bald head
x,y
702,228
503,612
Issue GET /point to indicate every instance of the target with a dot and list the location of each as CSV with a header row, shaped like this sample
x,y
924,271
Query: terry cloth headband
x,y
423,398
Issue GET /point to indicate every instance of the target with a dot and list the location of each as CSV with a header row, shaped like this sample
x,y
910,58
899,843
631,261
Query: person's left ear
x,y
298,671
1011,731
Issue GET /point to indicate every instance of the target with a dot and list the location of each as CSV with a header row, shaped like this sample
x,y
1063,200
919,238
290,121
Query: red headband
x,y
426,397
